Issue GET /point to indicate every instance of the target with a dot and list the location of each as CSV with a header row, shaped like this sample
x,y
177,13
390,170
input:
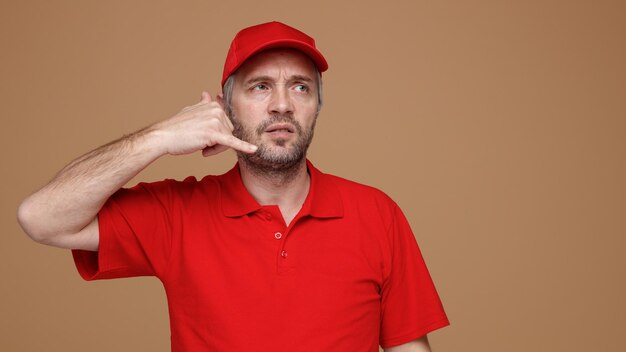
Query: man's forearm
x,y
73,198
68,205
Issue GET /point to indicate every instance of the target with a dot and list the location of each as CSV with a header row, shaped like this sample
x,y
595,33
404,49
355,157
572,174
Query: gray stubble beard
x,y
279,167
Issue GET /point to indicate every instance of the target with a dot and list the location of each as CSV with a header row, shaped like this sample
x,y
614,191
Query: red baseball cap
x,y
252,40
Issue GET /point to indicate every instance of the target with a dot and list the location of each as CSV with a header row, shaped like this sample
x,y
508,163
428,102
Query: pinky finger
x,y
238,144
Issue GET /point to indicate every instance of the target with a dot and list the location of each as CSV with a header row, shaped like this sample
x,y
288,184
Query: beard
x,y
275,157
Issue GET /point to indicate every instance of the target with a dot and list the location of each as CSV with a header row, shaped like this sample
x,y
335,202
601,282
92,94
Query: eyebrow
x,y
294,78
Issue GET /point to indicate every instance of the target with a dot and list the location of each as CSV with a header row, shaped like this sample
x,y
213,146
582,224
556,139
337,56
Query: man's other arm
x,y
419,345
64,212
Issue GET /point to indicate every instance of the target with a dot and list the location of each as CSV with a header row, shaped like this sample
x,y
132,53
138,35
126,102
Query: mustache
x,y
278,118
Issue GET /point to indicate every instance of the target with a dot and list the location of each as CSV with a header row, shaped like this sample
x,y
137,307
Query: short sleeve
x,y
135,234
410,305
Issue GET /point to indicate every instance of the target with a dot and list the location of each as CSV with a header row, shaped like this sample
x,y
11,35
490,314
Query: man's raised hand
x,y
203,126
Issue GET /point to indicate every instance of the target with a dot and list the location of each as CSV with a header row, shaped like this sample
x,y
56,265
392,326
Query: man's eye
x,y
302,88
259,87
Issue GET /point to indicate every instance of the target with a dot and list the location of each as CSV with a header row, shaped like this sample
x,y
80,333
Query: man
x,y
273,255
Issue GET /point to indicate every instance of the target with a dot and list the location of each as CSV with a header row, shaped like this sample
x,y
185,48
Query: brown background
x,y
498,126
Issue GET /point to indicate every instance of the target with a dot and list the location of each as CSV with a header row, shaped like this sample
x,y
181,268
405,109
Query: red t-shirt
x,y
345,275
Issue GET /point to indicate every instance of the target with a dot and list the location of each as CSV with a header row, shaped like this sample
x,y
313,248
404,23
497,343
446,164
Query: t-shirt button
x,y
268,216
283,254
278,235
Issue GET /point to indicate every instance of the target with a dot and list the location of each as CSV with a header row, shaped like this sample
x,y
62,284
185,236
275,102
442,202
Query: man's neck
x,y
287,189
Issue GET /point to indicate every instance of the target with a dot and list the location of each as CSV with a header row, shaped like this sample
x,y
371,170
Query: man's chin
x,y
274,157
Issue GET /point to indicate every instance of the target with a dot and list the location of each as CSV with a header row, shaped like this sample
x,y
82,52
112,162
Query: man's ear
x,y
220,99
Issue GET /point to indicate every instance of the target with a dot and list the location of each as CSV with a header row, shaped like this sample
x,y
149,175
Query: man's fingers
x,y
229,123
237,144
206,98
216,149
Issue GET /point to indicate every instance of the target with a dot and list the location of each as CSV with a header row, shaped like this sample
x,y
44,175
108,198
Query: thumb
x,y
206,98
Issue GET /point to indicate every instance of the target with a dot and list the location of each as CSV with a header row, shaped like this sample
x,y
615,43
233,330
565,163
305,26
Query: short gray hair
x,y
227,91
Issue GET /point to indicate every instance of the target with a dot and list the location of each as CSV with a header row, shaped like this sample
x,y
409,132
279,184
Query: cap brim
x,y
314,54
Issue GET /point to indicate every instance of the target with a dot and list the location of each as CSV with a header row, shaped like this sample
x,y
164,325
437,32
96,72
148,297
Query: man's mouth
x,y
280,128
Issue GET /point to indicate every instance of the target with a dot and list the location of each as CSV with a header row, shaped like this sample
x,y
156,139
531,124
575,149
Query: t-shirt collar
x,y
322,201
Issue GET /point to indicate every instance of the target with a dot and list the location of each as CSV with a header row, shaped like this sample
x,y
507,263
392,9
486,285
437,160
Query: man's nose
x,y
281,101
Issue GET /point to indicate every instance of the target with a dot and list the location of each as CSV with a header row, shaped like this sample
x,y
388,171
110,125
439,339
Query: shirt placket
x,y
276,230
